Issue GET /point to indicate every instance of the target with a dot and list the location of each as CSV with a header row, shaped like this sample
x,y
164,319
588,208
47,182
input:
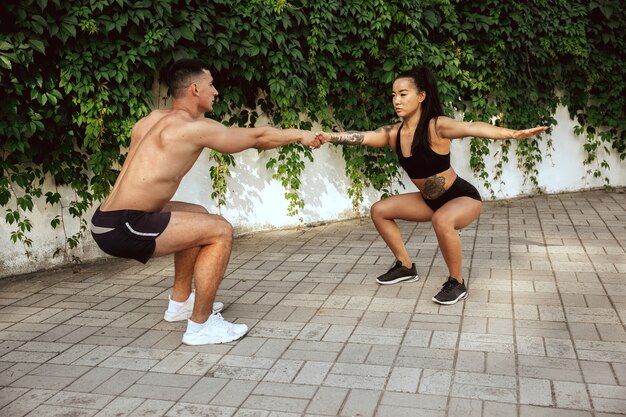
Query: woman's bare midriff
x,y
434,186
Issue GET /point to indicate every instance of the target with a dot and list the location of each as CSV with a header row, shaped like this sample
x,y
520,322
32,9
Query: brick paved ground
x,y
542,333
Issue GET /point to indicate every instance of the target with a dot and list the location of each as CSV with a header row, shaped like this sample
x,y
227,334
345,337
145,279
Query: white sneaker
x,y
215,330
184,312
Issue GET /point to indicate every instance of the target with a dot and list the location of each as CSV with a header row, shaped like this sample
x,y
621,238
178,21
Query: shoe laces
x,y
449,284
218,320
222,322
397,265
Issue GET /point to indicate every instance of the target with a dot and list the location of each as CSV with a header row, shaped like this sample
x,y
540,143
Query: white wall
x,y
256,202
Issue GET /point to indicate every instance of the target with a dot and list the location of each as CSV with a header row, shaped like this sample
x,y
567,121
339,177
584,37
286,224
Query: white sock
x,y
177,305
193,327
174,305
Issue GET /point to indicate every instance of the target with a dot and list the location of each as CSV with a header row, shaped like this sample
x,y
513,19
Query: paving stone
x,y
571,395
26,403
535,391
80,400
549,368
234,393
120,406
354,353
197,410
283,371
46,410
486,342
119,382
327,401
597,373
382,355
152,408
285,390
501,364
470,361
495,409
8,394
204,390
461,407
484,387
404,379
154,392
293,405
360,402
534,411
435,382
608,398
426,358
200,364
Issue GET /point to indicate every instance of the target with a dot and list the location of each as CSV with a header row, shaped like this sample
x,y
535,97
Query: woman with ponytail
x,y
422,143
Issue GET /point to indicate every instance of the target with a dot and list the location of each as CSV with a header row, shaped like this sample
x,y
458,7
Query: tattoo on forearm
x,y
434,187
347,138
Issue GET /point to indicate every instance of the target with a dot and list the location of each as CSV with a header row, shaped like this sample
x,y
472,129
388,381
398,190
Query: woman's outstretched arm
x,y
376,138
452,129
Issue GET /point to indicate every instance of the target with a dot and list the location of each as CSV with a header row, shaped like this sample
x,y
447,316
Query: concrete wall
x,y
256,202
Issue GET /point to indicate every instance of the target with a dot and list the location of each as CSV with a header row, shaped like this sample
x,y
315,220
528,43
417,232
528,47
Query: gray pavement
x,y
541,334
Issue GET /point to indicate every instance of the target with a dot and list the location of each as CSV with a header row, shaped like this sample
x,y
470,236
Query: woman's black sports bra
x,y
422,165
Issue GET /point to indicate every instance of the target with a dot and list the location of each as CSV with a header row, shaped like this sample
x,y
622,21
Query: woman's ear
x,y
421,96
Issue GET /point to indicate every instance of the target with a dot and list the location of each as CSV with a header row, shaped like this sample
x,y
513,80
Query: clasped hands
x,y
314,139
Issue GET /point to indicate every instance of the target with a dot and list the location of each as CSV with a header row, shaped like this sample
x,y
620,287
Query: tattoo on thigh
x,y
347,138
434,187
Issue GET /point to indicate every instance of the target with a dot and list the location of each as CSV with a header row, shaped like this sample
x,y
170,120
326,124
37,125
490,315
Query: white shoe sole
x,y
410,278
460,297
198,341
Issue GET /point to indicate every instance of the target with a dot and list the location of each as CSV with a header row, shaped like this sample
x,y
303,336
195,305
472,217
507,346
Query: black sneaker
x,y
398,273
451,292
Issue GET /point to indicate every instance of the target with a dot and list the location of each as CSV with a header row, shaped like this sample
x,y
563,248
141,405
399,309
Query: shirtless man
x,y
137,220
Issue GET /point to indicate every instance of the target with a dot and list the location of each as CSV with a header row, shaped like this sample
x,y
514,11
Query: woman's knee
x,y
442,223
377,211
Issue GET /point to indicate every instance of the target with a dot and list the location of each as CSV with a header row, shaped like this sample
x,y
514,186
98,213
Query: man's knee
x,y
197,208
224,228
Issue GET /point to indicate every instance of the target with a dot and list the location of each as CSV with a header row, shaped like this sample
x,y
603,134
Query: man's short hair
x,y
180,74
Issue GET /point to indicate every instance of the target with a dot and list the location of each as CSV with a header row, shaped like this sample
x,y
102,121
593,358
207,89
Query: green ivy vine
x,y
77,75
219,173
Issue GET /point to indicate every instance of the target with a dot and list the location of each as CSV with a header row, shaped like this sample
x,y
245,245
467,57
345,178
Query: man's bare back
x,y
157,160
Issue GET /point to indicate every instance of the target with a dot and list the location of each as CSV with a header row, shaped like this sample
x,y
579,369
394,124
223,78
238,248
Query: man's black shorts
x,y
128,233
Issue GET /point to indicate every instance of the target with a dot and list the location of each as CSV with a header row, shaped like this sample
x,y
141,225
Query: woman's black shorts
x,y
459,188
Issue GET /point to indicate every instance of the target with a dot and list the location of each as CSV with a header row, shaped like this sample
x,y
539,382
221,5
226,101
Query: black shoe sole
x,y
409,278
463,296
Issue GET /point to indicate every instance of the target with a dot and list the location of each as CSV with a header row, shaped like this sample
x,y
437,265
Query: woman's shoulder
x,y
436,124
438,120
391,130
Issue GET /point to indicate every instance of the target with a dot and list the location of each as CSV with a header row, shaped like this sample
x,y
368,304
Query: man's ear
x,y
194,89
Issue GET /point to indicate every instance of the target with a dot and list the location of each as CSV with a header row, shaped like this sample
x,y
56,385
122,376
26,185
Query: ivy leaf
x,y
4,62
186,33
38,45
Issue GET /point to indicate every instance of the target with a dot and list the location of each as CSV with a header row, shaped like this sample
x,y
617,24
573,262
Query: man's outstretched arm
x,y
214,135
